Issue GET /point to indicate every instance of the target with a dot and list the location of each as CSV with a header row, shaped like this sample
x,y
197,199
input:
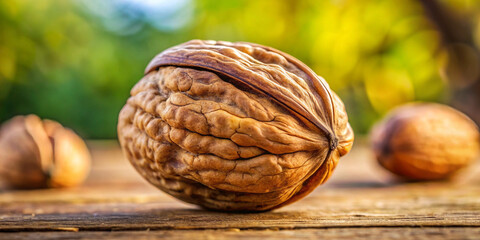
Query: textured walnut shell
x,y
233,126
425,141
38,154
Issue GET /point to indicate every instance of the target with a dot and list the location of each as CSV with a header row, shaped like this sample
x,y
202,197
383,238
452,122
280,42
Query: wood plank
x,y
328,233
360,194
158,218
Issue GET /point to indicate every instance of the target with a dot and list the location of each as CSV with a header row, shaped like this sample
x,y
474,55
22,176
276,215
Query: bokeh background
x,y
75,61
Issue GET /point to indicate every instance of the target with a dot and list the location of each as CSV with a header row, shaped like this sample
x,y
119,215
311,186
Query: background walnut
x,y
37,154
425,141
233,126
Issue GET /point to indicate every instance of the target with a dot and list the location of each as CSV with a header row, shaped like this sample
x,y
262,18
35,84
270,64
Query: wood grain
x,y
329,233
361,200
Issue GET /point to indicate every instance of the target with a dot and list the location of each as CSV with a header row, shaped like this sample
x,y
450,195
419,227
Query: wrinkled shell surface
x,y
425,141
233,126
38,154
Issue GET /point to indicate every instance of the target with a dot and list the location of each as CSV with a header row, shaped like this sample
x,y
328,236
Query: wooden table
x,y
361,200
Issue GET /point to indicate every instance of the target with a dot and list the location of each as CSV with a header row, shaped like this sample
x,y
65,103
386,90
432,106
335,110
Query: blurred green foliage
x,y
75,61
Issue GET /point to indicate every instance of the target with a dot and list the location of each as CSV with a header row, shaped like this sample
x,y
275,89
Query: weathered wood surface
x,y
429,233
361,200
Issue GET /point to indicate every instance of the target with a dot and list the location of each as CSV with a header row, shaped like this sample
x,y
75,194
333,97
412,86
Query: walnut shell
x,y
38,154
425,141
233,126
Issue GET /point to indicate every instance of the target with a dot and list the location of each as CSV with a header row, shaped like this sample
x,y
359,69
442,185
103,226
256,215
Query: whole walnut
x,y
425,141
233,126
39,154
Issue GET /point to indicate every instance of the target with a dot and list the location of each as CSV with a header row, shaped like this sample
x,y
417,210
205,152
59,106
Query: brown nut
x,y
233,126
425,141
38,154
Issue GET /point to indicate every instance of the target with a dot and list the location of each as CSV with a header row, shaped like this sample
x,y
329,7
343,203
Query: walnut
x,y
233,126
425,141
38,154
